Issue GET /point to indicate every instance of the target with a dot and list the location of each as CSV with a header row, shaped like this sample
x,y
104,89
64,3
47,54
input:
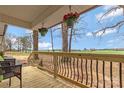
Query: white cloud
x,y
89,34
50,48
118,12
13,40
28,31
44,45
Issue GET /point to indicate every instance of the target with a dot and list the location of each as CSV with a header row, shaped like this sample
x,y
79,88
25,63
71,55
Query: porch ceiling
x,y
32,16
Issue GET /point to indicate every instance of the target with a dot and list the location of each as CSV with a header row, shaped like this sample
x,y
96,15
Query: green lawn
x,y
104,52
83,51
121,52
19,53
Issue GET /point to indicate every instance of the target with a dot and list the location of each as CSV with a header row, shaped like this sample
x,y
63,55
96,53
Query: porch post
x,y
64,38
35,43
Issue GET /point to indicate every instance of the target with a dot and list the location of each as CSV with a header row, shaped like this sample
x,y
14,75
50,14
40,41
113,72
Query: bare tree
x,y
116,26
18,43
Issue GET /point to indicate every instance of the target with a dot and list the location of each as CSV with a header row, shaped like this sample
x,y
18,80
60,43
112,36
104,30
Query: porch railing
x,y
85,70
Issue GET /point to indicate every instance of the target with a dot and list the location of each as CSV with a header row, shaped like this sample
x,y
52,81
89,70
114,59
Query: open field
x,y
21,56
104,52
119,52
16,53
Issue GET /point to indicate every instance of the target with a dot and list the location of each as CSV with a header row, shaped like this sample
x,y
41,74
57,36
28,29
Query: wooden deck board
x,y
35,78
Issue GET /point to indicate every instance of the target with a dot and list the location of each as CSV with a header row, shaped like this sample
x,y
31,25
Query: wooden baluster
x,y
82,70
77,69
97,75
68,61
111,78
51,66
103,71
120,74
86,72
62,62
59,64
47,63
55,66
71,67
91,73
66,65
74,68
65,61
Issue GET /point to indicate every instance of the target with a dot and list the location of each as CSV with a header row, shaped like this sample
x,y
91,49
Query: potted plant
x,y
43,31
70,18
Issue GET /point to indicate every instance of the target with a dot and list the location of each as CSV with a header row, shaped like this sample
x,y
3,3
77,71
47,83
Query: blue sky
x,y
89,21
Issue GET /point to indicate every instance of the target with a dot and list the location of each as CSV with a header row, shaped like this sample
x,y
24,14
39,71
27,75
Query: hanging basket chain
x,y
70,8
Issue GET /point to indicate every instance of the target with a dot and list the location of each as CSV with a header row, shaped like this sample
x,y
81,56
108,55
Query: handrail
x,y
80,68
107,57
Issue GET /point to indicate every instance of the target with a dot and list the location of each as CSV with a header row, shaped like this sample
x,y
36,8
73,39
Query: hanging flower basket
x,y
70,18
43,31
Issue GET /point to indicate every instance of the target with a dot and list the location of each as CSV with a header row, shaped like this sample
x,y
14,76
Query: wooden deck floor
x,y
35,78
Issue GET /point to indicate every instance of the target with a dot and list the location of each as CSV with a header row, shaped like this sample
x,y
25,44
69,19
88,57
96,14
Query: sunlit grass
x,y
16,53
104,52
121,52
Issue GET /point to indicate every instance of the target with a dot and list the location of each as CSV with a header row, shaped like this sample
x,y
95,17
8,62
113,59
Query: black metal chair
x,y
9,69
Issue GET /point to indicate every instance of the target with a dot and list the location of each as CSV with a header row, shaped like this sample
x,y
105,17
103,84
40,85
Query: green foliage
x,y
25,42
43,31
70,22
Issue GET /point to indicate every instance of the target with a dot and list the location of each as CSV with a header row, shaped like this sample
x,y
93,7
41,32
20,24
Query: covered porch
x,y
59,69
